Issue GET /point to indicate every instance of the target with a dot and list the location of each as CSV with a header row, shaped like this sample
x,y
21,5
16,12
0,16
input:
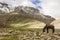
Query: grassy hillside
x,y
23,22
16,21
17,24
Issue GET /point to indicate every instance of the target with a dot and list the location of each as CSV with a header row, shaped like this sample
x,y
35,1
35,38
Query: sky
x,y
51,7
48,7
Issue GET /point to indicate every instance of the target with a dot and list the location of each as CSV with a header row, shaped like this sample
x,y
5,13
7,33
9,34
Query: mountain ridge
x,y
33,13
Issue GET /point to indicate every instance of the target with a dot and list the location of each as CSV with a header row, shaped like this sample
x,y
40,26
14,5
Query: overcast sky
x,y
49,7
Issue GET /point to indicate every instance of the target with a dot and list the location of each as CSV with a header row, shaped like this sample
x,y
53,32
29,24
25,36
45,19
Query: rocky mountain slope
x,y
34,14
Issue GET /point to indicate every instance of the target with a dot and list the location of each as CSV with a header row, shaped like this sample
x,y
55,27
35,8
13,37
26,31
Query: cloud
x,y
27,3
51,7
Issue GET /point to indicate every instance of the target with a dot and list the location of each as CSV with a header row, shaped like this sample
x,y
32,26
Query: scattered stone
x,y
28,35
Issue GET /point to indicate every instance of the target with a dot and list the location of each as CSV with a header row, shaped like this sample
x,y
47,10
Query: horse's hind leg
x,y
53,30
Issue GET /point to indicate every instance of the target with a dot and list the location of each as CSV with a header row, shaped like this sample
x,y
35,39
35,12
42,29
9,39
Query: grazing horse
x,y
47,27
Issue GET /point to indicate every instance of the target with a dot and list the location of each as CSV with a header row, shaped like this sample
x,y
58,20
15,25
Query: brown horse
x,y
47,27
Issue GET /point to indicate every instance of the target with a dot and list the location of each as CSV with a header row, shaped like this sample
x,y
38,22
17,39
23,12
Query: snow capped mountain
x,y
5,7
14,3
33,13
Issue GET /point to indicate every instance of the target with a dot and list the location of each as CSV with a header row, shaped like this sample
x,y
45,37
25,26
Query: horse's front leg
x,y
44,29
53,30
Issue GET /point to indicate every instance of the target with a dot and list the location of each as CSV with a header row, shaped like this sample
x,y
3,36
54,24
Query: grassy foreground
x,y
23,34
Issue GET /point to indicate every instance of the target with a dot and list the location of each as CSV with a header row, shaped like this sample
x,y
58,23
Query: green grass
x,y
10,38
